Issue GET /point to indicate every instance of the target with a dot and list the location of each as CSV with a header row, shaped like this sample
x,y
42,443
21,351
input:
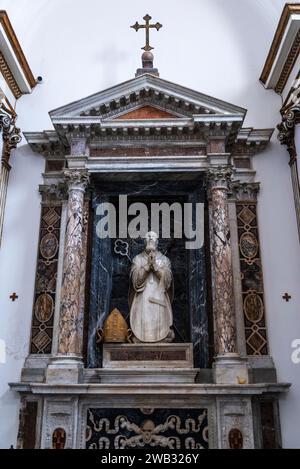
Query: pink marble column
x,y
71,318
223,304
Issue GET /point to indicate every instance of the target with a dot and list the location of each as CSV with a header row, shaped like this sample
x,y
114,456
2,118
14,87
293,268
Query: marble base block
x,y
231,369
64,370
148,363
144,376
148,356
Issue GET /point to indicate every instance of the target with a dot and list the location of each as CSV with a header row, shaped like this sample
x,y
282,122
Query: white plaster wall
x,y
217,47
17,266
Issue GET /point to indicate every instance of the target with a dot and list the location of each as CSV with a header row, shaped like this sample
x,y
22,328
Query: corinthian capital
x,y
245,191
220,177
76,178
53,192
286,135
11,133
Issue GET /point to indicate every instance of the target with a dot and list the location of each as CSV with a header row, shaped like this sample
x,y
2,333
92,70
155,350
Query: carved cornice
x,y
9,78
220,177
289,65
250,141
47,143
76,179
11,35
286,135
10,133
245,191
289,10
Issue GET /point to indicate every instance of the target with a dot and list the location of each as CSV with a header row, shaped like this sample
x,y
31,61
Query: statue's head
x,y
151,241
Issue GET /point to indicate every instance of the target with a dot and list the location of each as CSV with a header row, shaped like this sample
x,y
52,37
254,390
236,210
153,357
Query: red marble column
x,y
223,304
71,319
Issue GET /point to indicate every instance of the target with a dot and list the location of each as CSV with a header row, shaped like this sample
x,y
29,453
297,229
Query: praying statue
x,y
151,294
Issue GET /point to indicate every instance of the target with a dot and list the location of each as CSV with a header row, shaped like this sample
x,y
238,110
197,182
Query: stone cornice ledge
x,y
151,389
282,54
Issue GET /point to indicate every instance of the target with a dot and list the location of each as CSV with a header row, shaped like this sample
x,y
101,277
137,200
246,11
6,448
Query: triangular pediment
x,y
147,112
145,97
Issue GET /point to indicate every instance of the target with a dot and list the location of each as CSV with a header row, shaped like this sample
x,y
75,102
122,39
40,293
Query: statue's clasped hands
x,y
152,261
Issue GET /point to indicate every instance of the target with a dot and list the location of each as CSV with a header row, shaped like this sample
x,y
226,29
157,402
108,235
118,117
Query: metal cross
x,y
287,297
14,297
147,26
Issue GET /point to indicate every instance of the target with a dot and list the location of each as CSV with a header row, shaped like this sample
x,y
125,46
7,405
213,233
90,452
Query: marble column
x,y
70,321
229,367
222,262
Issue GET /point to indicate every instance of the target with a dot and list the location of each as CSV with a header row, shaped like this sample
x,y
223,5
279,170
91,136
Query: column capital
x,y
77,179
7,126
53,192
220,177
286,135
11,134
245,191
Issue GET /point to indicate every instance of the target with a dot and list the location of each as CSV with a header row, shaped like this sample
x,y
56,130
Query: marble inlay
x,y
110,270
148,355
46,277
252,275
147,428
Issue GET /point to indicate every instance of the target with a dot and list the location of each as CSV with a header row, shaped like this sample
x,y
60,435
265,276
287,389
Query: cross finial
x,y
147,27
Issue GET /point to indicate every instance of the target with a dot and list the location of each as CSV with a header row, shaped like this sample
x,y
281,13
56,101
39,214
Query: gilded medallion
x,y
44,307
49,246
249,245
253,307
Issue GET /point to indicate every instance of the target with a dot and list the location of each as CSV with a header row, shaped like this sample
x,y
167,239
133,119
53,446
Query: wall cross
x,y
14,297
287,297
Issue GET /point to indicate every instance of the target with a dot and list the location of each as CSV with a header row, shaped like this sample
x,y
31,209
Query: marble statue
x,y
151,294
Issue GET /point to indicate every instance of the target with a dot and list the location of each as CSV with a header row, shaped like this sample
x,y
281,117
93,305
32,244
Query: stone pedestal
x,y
230,368
147,363
64,370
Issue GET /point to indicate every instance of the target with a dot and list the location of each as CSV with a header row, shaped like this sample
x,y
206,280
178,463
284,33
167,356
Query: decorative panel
x,y
268,425
147,428
173,150
45,286
252,280
27,425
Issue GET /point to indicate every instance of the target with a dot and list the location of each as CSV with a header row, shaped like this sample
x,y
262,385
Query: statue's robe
x,y
150,299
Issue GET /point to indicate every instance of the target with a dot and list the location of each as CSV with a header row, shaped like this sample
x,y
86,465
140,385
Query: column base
x,y
230,368
64,369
